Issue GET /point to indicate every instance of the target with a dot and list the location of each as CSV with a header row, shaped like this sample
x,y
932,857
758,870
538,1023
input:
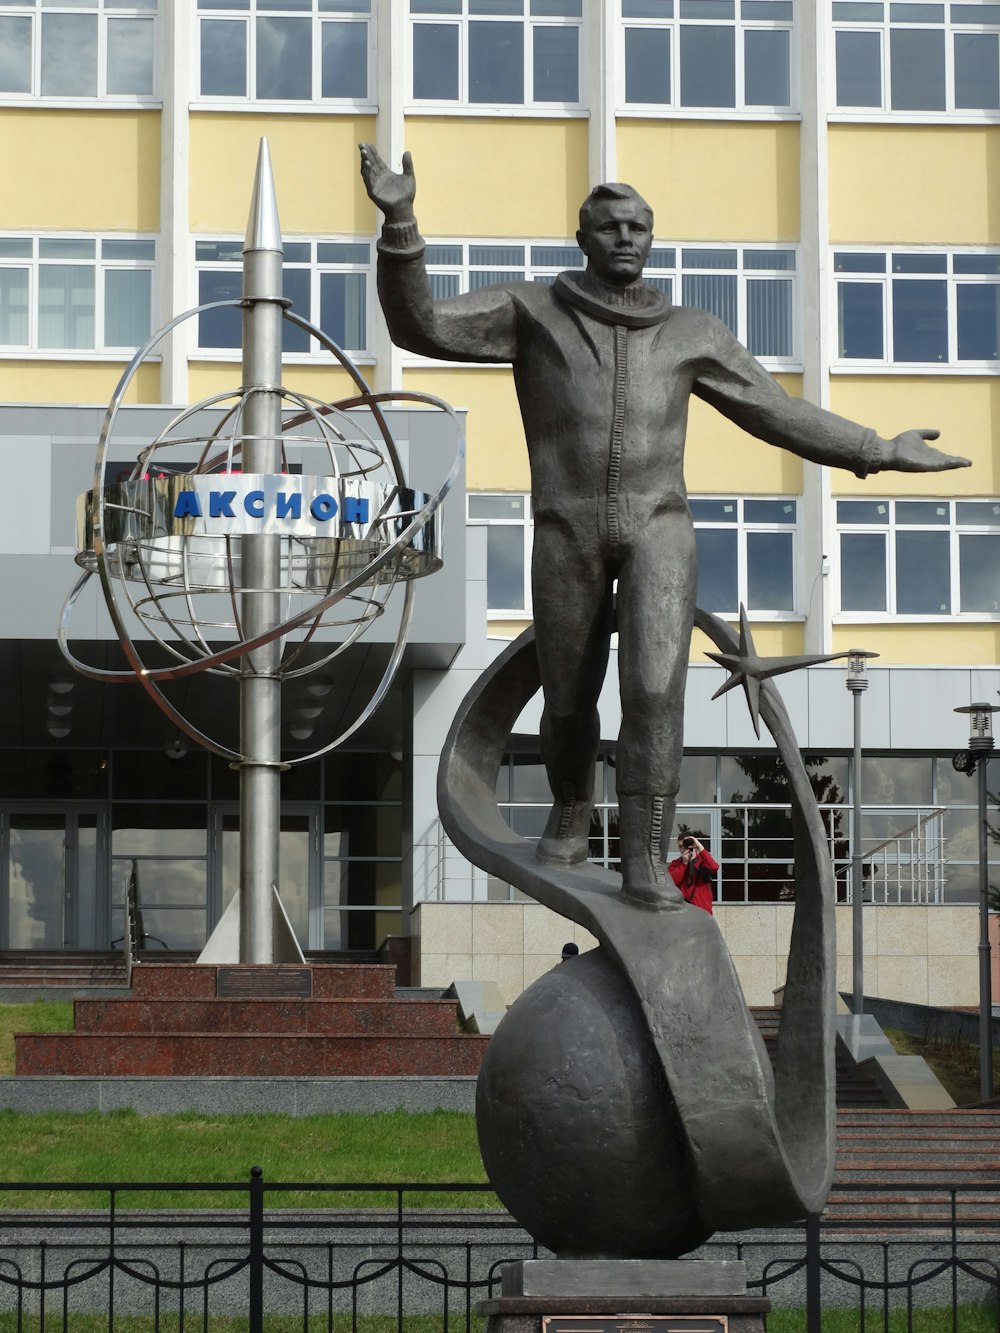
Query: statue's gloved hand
x,y
910,452
393,192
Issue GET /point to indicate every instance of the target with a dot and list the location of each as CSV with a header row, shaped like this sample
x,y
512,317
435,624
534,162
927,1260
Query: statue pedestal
x,y
624,1296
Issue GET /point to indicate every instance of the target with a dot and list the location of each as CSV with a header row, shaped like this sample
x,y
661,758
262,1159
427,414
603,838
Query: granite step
x,y
411,1017
248,1054
202,981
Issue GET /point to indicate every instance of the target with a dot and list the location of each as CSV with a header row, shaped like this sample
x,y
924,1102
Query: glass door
x,y
53,895
298,859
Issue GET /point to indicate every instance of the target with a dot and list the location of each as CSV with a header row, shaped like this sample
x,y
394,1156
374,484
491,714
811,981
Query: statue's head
x,y
616,232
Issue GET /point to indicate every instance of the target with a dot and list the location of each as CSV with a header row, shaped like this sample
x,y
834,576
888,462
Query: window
x,y
924,56
750,289
746,554
285,50
919,557
326,281
707,54
919,307
77,48
507,518
496,52
75,293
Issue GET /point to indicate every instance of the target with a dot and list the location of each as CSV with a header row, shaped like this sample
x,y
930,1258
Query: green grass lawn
x,y
120,1146
971,1319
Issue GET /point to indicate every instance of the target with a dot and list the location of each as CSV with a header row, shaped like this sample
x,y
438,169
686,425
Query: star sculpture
x,y
749,670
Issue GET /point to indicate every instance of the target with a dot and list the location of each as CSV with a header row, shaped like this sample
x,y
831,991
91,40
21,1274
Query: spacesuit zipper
x,y
617,434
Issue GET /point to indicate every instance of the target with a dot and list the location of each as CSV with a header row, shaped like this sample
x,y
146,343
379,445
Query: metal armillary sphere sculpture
x,y
239,566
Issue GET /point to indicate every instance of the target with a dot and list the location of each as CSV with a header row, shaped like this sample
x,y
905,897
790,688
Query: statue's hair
x,y
610,190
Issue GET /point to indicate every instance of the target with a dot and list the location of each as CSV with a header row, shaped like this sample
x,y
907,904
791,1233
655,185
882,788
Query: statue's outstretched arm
x,y
732,380
477,326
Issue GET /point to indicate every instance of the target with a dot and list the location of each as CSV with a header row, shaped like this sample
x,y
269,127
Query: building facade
x,y
822,174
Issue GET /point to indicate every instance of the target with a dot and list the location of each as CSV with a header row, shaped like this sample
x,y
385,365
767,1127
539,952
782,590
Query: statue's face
x,y
617,239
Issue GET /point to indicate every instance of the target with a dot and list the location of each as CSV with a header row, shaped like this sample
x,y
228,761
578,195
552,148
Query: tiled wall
x,y
924,955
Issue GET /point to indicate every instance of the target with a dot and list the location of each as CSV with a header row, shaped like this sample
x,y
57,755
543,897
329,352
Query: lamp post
x,y
857,683
976,760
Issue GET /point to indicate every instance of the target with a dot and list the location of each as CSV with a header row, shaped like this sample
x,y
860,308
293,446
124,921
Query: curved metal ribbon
x,y
761,1145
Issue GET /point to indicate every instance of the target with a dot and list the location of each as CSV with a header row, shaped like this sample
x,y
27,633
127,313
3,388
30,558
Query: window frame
x,y
526,524
884,27
953,527
147,11
744,528
100,267
657,272
205,11
885,279
316,269
529,106
741,109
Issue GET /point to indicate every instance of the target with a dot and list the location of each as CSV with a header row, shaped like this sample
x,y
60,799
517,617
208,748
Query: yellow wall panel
x,y
954,644
965,409
876,198
316,177
770,640
498,177
329,383
497,457
74,382
723,459
715,180
80,170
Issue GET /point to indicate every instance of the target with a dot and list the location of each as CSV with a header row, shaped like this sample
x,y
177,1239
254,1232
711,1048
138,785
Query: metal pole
x,y
857,882
985,979
260,580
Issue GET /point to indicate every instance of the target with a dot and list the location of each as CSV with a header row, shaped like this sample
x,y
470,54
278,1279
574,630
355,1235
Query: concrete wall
x,y
923,955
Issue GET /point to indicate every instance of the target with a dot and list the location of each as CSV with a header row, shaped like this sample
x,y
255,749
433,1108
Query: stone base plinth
x,y
624,1296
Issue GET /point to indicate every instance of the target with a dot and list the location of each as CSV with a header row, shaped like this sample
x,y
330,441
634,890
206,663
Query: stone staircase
x,y
916,1158
27,969
197,1020
856,1086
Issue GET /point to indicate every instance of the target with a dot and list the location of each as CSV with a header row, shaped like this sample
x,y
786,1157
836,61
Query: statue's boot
x,y
643,821
565,839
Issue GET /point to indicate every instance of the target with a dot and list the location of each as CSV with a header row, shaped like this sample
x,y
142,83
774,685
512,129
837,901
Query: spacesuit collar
x,y
643,306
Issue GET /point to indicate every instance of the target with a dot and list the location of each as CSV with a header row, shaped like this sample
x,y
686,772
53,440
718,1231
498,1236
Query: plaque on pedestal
x,y
624,1296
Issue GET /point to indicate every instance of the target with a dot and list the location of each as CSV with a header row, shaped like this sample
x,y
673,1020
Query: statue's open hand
x,y
910,452
392,191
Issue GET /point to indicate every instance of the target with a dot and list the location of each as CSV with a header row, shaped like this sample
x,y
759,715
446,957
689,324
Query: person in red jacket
x,y
693,870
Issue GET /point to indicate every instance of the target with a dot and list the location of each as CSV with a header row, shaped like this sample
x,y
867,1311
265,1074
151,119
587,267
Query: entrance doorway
x,y
52,895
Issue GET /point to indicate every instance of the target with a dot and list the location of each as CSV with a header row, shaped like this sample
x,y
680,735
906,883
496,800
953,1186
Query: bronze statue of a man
x,y
604,367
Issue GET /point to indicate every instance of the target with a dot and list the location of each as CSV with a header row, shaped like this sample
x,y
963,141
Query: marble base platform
x,y
624,1296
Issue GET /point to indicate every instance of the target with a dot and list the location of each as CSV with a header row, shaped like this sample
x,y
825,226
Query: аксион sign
x,y
283,504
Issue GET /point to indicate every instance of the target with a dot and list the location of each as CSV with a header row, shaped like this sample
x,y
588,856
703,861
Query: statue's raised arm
x,y
474,326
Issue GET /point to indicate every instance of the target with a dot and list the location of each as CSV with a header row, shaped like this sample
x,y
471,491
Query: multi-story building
x,y
822,175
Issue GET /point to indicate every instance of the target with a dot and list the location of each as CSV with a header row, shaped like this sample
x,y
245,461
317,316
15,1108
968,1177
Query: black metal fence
x,y
336,1267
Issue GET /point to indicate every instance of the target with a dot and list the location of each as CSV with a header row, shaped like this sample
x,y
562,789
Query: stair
x,y
856,1086
31,968
920,1156
198,1020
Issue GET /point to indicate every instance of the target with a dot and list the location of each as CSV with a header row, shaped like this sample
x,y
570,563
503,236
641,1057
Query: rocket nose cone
x,y
263,227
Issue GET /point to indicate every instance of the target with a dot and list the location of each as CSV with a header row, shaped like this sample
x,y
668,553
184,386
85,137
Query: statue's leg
x,y
656,596
573,613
